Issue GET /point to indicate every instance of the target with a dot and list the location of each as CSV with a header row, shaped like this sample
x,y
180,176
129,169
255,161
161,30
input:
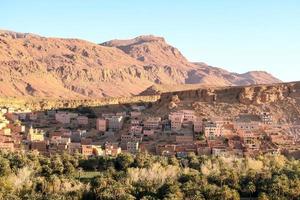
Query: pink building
x,y
82,120
7,146
198,125
101,124
189,115
148,133
176,120
152,123
62,117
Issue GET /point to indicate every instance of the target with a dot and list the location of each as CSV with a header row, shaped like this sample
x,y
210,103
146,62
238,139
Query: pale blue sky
x,y
237,35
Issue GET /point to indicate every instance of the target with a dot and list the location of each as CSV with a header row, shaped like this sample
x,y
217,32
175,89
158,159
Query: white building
x,y
212,130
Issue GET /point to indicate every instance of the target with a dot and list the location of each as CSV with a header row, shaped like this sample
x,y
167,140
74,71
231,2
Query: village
x,y
132,130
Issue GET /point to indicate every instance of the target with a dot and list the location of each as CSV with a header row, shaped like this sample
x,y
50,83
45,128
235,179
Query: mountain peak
x,y
33,65
135,41
15,35
151,50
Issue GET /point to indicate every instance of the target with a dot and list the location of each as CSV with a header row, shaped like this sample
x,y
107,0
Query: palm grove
x,y
144,176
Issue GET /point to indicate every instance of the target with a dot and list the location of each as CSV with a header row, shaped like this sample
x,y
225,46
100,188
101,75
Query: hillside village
x,y
132,129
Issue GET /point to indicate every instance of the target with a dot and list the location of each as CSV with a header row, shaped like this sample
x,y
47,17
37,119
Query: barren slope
x,y
35,66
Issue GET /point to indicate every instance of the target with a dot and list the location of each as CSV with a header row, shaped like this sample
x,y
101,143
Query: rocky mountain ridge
x,y
35,66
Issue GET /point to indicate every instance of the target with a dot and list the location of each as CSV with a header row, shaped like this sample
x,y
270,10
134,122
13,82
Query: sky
x,y
237,35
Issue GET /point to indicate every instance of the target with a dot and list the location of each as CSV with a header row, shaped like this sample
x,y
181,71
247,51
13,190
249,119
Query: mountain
x,y
36,66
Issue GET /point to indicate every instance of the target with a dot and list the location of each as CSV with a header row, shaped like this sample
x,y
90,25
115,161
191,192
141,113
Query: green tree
x,y
263,196
170,191
229,194
4,167
123,161
250,188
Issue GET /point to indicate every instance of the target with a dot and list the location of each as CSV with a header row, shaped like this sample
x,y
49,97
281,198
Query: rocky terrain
x,y
282,100
36,66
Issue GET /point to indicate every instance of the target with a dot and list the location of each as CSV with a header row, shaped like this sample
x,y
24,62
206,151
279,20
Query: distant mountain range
x,y
35,66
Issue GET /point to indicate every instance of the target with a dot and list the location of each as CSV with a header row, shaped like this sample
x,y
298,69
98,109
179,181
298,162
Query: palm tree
x,y
250,188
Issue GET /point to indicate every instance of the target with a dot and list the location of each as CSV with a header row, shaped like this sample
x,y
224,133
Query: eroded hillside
x,y
36,66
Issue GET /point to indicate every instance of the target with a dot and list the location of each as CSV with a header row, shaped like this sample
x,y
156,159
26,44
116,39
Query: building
x,y
3,110
250,140
219,151
40,146
35,135
107,115
33,116
5,131
123,114
51,113
203,148
82,120
60,139
101,124
198,125
134,114
76,136
166,149
126,137
63,117
152,123
16,128
189,115
185,138
87,150
138,108
22,116
136,129
112,149
92,150
7,146
74,147
148,133
176,120
212,130
247,126
135,122
133,147
115,123
12,116
266,118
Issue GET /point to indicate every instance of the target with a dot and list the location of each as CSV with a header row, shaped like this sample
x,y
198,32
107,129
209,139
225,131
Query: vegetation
x,y
144,176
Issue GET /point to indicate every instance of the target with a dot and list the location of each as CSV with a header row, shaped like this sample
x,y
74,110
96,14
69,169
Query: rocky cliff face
x,y
283,97
281,100
247,95
35,66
